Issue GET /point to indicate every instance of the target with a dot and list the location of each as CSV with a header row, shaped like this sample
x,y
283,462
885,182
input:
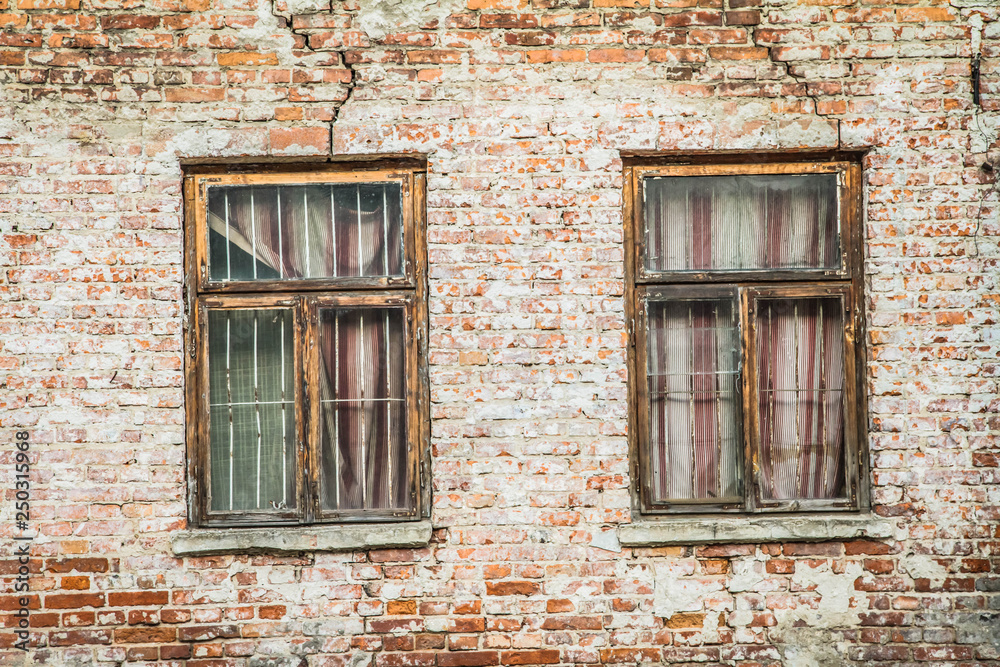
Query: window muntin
x,y
750,405
303,397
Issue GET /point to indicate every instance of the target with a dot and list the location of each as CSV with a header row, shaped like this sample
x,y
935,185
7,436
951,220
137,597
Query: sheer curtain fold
x,y
742,223
692,366
800,393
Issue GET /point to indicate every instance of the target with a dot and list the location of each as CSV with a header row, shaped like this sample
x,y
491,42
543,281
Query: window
x,y
306,314
744,291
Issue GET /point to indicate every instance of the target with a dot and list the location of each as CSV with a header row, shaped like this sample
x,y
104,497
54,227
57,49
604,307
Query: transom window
x,y
745,281
306,311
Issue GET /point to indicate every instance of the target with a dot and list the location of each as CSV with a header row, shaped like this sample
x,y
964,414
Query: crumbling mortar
x,y
805,85
342,53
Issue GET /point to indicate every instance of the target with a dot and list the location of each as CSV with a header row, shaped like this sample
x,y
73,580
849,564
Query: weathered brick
x,y
526,111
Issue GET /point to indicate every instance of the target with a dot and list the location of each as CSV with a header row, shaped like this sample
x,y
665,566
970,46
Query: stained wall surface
x,y
523,110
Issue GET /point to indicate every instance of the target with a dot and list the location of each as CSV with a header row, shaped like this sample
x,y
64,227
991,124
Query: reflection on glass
x,y
742,223
693,369
252,409
298,232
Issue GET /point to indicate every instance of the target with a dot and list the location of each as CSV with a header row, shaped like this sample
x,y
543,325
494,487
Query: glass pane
x,y
742,223
294,232
693,369
252,409
800,388
363,409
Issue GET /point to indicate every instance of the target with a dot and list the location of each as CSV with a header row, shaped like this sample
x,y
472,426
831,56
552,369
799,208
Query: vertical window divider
x,y
642,393
256,410
748,376
309,386
851,404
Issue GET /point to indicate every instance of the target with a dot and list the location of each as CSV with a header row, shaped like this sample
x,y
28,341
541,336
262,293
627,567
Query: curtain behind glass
x,y
693,369
800,387
252,409
305,231
363,409
741,223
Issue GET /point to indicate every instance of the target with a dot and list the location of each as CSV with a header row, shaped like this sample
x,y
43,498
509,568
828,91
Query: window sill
x,y
755,529
296,539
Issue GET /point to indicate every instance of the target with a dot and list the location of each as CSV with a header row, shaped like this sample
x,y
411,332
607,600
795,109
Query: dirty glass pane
x,y
742,223
693,363
363,409
800,388
295,232
252,409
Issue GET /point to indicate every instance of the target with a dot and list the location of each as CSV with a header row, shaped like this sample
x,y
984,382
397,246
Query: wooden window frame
x,y
305,297
643,286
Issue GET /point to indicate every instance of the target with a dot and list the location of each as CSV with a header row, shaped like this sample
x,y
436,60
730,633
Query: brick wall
x,y
523,109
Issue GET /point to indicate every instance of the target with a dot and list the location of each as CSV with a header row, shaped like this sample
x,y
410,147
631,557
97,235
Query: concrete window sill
x,y
755,529
296,539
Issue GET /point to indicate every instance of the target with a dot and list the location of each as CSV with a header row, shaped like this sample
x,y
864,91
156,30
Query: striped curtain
x,y
742,223
800,387
694,403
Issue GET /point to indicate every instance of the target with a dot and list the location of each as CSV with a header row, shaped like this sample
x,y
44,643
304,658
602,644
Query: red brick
x,y
139,598
573,623
248,59
48,4
203,633
738,53
512,588
145,635
924,14
129,22
74,600
77,565
411,659
75,583
537,657
78,637
192,94
468,659
139,653
625,655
